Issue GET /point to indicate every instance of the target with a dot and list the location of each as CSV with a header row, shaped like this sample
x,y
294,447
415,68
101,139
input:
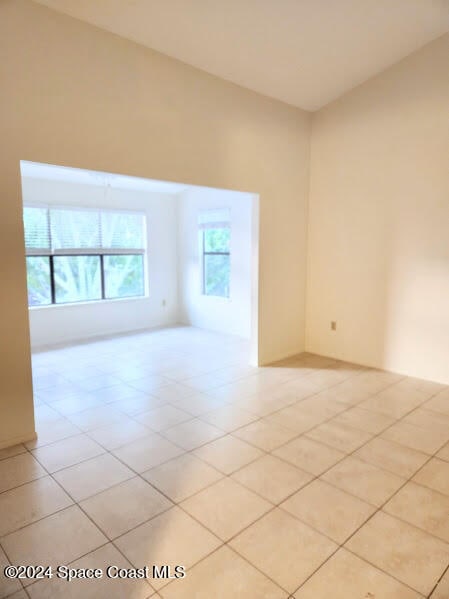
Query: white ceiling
x,y
38,170
303,52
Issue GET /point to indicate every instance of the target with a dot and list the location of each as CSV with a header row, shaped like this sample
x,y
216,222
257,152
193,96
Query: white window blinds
x,y
214,219
37,231
74,229
122,230
82,231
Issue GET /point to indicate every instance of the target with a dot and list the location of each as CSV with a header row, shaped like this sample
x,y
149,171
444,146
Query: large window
x,y
79,255
216,263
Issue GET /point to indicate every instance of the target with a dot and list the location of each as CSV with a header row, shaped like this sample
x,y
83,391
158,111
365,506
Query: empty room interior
x,y
224,303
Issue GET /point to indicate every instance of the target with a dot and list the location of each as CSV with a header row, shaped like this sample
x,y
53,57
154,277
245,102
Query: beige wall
x,y
74,95
378,249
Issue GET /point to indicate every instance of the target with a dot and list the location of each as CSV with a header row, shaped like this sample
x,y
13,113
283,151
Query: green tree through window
x,y
216,261
76,254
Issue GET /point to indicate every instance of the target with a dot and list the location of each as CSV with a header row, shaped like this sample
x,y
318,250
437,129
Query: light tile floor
x,y
309,479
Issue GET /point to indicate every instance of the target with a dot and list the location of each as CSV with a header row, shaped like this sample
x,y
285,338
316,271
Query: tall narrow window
x,y
80,254
215,241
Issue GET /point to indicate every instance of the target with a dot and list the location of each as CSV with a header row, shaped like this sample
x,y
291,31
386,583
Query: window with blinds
x,y
78,254
215,238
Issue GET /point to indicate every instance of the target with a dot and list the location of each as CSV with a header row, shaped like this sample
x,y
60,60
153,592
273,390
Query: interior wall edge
x,y
25,438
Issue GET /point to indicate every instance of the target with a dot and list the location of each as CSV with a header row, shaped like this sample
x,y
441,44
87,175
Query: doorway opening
x,y
140,292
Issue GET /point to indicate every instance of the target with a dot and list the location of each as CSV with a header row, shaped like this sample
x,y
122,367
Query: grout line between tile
x,y
264,452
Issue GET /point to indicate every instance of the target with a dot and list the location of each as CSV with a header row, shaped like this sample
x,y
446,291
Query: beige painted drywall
x,y
378,238
74,95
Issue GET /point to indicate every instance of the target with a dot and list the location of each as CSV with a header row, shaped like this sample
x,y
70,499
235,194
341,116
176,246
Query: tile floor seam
x,y
48,474
25,589
135,475
139,475
94,524
11,456
264,453
379,509
419,484
374,436
376,508
340,545
296,402
168,508
261,418
73,561
10,562
224,474
97,492
249,396
255,566
40,519
82,461
61,439
225,544
178,504
227,474
246,397
66,415
425,486
25,483
376,567
438,581
364,559
110,451
75,502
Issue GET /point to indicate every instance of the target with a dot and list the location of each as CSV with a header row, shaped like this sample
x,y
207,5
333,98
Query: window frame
x,y
209,253
100,252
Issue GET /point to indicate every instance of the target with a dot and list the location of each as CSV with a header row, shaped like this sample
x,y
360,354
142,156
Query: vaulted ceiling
x,y
303,52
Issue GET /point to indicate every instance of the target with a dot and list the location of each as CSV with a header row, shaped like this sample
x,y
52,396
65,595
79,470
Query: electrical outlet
x,y
333,325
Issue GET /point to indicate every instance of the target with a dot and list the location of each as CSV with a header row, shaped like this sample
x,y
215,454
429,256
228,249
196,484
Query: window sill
x,y
90,303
